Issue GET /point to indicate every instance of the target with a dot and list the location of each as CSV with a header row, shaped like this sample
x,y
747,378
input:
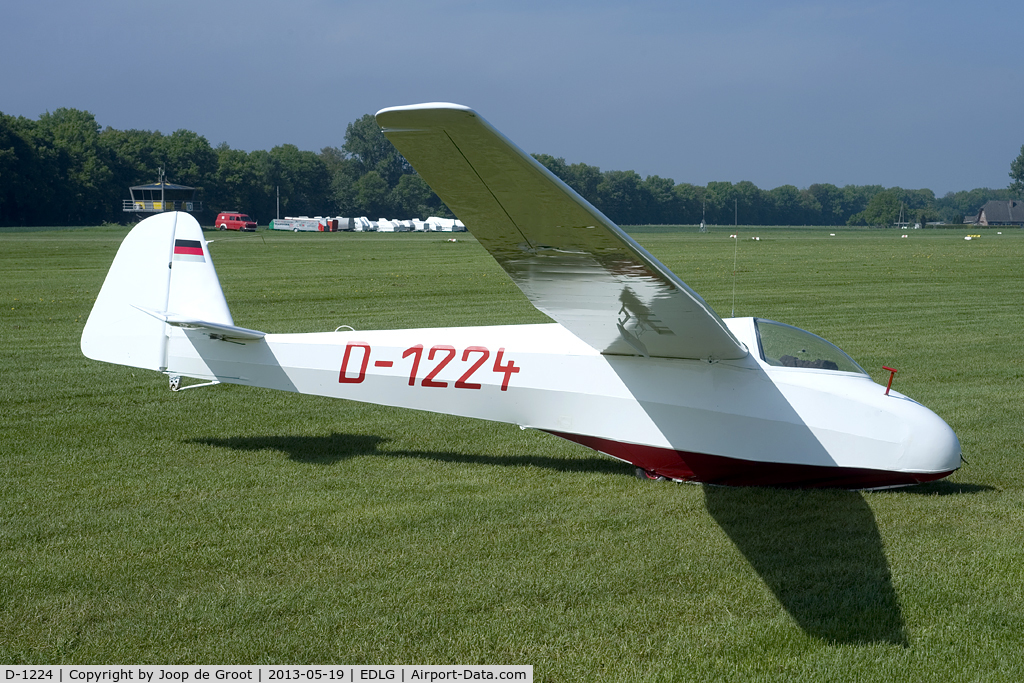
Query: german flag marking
x,y
188,250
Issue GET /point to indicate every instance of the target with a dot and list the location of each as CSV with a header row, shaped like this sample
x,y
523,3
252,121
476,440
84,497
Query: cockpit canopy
x,y
790,347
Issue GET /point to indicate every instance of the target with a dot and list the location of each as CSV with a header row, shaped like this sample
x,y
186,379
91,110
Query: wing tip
x,y
424,115
425,105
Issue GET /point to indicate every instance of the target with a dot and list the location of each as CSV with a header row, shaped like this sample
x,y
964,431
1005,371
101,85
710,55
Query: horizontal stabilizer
x,y
213,330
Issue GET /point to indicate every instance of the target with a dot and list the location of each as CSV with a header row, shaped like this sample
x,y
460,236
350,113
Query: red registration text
x,y
438,357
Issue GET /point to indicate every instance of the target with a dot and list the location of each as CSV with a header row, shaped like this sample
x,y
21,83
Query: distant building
x,y
1001,213
162,196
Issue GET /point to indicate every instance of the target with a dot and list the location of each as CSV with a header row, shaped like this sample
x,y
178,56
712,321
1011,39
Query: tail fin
x,y
163,271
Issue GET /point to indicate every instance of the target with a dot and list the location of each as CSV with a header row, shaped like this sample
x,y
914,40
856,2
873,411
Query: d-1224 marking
x,y
442,353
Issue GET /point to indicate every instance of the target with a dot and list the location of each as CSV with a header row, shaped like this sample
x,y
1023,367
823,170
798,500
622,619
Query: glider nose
x,y
931,446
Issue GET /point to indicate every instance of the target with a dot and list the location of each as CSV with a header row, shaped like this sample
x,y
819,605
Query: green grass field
x,y
232,525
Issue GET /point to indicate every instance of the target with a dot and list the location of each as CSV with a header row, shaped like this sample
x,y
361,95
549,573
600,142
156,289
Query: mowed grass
x,y
232,525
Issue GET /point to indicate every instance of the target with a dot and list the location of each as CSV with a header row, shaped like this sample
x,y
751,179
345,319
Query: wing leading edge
x,y
572,262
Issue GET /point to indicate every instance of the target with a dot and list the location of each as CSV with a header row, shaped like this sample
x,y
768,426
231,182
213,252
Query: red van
x,y
232,220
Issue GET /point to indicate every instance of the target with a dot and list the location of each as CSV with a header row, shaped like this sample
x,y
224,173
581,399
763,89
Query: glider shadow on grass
x,y
821,555
819,552
333,448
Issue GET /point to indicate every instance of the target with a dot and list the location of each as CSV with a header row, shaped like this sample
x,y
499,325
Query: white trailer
x,y
302,224
363,224
446,224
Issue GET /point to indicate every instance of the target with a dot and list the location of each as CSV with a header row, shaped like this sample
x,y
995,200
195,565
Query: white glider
x,y
636,364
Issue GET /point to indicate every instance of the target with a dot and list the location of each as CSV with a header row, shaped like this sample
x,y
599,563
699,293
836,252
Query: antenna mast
x,y
735,250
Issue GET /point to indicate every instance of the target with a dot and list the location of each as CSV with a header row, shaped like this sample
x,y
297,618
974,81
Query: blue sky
x,y
915,94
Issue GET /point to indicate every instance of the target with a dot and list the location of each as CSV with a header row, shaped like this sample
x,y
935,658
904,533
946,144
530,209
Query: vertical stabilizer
x,y
163,265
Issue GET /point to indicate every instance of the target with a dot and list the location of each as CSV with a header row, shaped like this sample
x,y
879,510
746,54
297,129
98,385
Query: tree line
x,y
627,198
64,169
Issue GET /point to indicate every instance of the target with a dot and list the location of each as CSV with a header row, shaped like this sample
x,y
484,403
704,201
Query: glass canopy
x,y
790,347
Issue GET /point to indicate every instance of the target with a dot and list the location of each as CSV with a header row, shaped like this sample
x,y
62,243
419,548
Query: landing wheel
x,y
647,475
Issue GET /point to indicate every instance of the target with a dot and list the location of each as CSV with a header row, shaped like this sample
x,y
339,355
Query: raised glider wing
x,y
636,364
573,263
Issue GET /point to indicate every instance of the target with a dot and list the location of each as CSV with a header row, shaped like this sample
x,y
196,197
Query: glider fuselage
x,y
728,422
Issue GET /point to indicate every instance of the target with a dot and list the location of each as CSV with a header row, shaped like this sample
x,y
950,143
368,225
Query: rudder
x,y
163,265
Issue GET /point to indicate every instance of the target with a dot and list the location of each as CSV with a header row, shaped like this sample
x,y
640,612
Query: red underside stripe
x,y
717,469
